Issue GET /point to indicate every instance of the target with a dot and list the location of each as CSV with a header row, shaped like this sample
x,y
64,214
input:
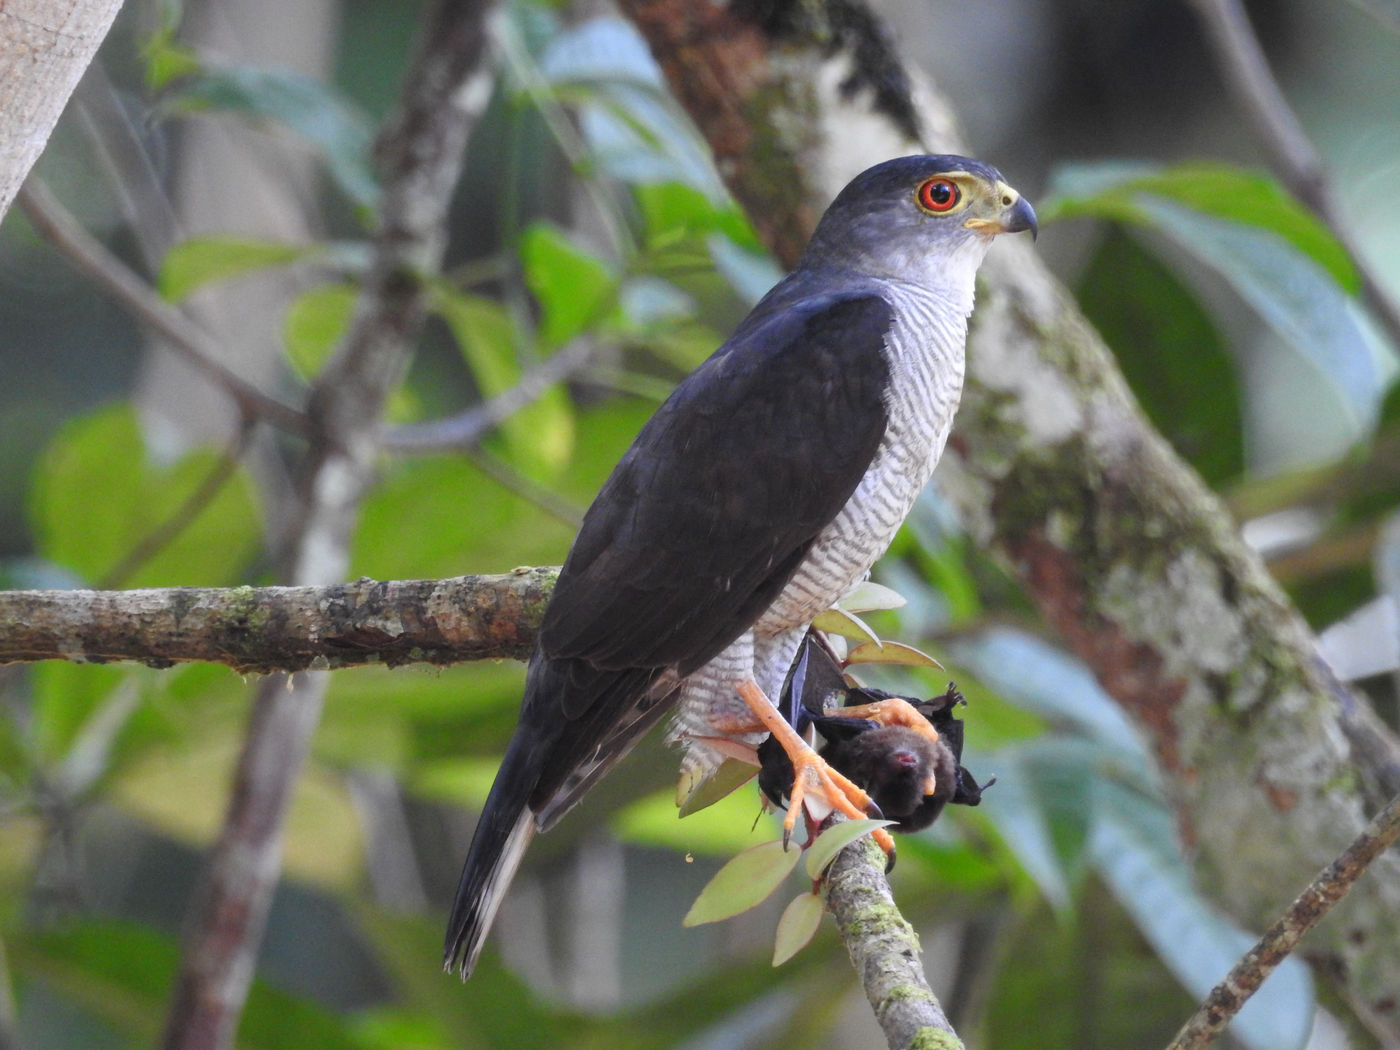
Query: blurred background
x,y
223,151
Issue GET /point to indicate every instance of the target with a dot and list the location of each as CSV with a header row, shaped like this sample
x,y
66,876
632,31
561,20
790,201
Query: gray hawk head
x,y
924,219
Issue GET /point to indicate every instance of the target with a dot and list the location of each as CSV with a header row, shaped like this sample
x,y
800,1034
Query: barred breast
x,y
926,352
926,366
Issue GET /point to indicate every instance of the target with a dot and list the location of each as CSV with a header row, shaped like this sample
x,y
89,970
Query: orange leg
x,y
891,712
811,774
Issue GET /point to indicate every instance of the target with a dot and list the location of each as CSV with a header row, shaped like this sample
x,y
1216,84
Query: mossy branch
x,y
884,949
267,629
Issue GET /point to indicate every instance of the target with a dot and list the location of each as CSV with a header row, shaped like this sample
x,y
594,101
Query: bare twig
x,y
420,154
137,297
267,629
1331,885
230,911
526,488
467,428
1387,20
516,57
884,949
128,164
1245,67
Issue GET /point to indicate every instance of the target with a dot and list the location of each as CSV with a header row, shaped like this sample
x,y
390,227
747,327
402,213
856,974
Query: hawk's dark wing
x,y
700,526
724,489
712,510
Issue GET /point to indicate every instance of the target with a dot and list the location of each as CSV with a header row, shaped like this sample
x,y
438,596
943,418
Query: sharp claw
x,y
885,842
812,771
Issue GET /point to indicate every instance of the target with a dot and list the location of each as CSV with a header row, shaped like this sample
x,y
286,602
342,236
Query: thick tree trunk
x,y
1273,766
45,45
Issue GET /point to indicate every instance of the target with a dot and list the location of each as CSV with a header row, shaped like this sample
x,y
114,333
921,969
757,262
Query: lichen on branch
x,y
267,629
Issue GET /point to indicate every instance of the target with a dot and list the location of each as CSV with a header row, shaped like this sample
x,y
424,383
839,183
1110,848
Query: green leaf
x,y
891,653
1293,294
316,323
1043,810
192,264
574,287
798,925
463,782
1046,682
65,697
441,516
1134,848
743,883
694,795
673,210
750,273
1265,245
869,596
1170,353
1116,191
822,850
441,730
600,51
98,495
937,579
540,435
635,129
166,58
720,830
317,320
314,111
401,1028
92,723
846,624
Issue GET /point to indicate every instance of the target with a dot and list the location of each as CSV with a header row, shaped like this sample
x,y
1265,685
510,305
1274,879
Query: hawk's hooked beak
x,y
1014,215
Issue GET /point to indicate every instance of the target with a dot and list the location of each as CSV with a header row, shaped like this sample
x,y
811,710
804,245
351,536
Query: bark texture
x,y
884,950
1273,766
267,629
45,46
1140,569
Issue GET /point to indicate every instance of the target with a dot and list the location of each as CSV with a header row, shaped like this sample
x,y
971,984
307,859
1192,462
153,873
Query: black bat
x,y
891,762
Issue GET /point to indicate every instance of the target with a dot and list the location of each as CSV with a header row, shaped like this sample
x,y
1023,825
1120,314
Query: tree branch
x,y
181,335
261,630
466,429
1331,885
1245,69
420,155
884,950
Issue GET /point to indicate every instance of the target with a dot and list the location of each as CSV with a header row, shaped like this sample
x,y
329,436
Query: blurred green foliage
x,y
1065,898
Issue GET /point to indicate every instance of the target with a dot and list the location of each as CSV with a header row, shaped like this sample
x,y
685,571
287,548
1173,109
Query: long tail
x,y
506,827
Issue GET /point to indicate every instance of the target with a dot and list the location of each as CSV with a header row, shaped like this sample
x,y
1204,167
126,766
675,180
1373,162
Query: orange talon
x,y
891,712
811,773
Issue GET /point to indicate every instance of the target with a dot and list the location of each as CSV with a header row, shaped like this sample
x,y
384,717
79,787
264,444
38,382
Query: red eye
x,y
938,195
